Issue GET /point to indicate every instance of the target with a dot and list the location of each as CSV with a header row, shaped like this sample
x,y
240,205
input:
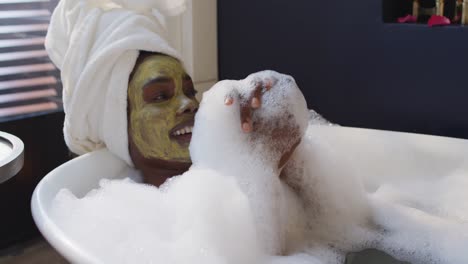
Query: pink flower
x,y
438,21
407,19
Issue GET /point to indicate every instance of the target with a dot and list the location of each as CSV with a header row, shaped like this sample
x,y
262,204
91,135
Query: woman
x,y
120,92
161,111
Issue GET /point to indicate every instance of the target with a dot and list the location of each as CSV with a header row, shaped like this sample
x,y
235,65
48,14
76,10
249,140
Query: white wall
x,y
194,34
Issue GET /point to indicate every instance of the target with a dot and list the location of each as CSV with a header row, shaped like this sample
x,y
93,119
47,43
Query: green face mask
x,y
162,107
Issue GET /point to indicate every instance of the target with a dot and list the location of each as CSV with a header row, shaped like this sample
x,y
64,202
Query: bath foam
x,y
424,222
231,207
252,159
338,213
201,218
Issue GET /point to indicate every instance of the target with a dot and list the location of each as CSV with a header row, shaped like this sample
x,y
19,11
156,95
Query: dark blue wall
x,y
352,67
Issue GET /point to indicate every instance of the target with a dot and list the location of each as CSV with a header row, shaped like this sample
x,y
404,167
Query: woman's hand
x,y
250,100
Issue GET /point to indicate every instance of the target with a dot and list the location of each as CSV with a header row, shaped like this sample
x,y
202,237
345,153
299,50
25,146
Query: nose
x,y
188,106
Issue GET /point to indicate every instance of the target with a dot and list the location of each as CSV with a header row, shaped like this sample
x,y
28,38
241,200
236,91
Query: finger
x,y
230,97
246,118
268,84
256,102
229,100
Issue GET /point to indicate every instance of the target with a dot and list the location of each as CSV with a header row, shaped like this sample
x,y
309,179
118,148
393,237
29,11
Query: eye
x,y
160,98
157,94
158,90
189,90
192,92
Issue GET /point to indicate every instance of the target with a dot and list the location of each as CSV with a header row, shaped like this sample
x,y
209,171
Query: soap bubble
x,y
237,205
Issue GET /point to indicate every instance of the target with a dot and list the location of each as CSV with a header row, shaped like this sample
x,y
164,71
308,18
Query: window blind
x,y
29,82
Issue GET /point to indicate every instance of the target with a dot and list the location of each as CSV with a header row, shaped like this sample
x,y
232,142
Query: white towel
x,y
95,44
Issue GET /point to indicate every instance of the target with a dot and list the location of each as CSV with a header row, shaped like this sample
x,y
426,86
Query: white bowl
x,y
375,154
11,156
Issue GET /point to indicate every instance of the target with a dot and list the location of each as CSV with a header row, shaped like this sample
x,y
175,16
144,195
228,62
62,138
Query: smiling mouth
x,y
182,133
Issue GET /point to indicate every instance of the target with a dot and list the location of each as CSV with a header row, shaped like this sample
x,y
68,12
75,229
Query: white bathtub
x,y
387,154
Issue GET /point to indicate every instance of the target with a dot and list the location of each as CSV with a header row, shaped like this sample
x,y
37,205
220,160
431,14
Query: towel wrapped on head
x,y
95,44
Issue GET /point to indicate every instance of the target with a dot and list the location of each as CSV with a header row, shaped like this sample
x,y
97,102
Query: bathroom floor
x,y
33,252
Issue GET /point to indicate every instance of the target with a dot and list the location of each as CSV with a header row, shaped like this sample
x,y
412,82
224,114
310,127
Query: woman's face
x,y
162,108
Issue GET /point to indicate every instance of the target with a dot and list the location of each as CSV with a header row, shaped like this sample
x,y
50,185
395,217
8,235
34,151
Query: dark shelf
x,y
420,26
393,9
